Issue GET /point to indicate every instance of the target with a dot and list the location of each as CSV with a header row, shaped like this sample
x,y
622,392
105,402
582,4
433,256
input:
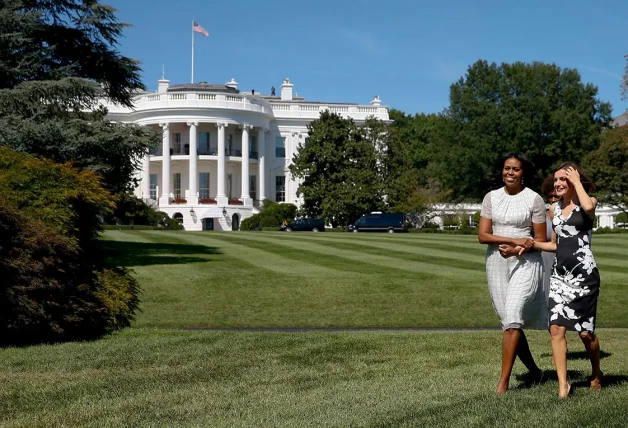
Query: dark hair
x,y
586,182
547,188
530,178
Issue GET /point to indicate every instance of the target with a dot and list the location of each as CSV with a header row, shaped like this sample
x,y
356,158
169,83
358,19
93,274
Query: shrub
x,y
251,223
55,283
269,221
118,294
281,211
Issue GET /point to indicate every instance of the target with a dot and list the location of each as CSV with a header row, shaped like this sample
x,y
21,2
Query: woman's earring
x,y
522,181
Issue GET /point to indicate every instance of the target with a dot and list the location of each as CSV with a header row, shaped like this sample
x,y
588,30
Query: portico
x,y
246,153
223,151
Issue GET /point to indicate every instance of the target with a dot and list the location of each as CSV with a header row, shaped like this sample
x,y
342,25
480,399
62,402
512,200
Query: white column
x,y
261,166
246,198
192,193
221,197
146,177
165,165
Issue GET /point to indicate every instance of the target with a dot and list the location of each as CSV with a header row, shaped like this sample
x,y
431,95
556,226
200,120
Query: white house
x,y
223,150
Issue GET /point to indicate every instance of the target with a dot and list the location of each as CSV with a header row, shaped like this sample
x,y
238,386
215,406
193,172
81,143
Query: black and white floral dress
x,y
575,280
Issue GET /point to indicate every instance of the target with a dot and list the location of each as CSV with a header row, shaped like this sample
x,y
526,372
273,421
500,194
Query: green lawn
x,y
330,279
156,374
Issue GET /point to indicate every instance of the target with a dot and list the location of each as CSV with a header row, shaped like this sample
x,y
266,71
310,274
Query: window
x,y
229,145
176,138
280,147
153,186
280,188
203,143
176,179
229,184
253,187
253,147
203,185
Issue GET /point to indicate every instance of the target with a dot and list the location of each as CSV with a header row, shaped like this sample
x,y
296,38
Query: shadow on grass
x,y
580,355
578,379
131,254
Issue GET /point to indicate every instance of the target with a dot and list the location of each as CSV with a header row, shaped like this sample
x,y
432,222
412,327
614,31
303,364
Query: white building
x,y
224,151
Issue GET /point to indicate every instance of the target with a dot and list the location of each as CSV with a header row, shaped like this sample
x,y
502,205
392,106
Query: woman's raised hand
x,y
572,175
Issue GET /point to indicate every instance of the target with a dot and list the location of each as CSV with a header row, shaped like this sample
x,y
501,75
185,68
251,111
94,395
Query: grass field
x,y
330,279
156,374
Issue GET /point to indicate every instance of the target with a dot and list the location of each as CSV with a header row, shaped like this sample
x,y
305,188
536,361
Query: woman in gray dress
x,y
510,215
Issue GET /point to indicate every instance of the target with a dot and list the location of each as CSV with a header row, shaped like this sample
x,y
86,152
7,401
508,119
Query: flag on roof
x,y
197,28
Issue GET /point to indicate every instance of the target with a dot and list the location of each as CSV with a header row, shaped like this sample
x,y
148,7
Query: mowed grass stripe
x,y
322,263
263,256
400,260
385,297
393,252
444,251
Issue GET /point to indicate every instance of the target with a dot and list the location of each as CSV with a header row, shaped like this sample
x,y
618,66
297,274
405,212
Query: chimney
x,y
376,101
232,84
162,85
286,90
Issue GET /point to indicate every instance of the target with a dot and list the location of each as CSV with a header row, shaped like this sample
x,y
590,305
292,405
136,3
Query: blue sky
x,y
407,52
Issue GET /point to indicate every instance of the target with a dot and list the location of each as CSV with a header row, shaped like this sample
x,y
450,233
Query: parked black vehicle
x,y
379,222
305,224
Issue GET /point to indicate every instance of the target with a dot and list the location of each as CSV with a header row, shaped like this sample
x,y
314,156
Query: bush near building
x,y
56,284
271,216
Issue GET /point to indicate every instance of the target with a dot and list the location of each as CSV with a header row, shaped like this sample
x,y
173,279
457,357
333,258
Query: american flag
x,y
197,28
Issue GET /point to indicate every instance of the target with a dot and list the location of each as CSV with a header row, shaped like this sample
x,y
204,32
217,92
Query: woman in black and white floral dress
x,y
575,280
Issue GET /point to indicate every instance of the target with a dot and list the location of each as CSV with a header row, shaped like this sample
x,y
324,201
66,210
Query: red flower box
x,y
206,201
235,202
178,201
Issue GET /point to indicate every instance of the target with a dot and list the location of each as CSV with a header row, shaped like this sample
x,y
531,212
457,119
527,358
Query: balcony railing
x,y
233,152
212,151
183,100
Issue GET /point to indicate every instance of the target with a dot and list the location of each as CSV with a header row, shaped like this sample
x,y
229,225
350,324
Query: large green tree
x,y
338,170
608,168
57,59
540,109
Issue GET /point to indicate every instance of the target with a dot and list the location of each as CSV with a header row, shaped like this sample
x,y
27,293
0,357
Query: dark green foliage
x,y
539,109
51,40
270,221
55,282
251,223
282,211
133,211
608,168
64,53
338,170
271,216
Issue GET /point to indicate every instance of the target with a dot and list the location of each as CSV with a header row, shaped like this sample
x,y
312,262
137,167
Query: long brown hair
x,y
587,184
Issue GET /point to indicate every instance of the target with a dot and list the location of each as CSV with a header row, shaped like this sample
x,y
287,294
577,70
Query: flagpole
x,y
192,51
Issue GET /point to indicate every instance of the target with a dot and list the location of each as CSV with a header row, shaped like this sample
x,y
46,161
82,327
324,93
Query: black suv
x,y
305,224
379,222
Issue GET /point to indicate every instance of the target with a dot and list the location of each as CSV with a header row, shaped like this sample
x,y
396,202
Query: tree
x,y
338,170
44,40
57,58
608,168
539,109
417,134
